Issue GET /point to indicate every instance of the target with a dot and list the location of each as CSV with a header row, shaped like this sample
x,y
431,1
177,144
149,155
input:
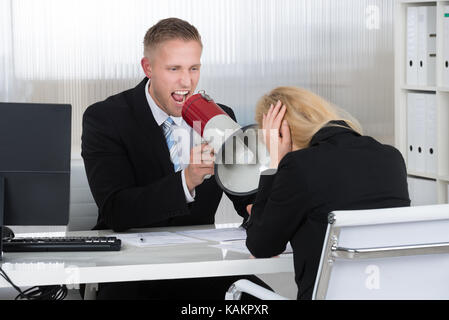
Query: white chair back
x,y
396,253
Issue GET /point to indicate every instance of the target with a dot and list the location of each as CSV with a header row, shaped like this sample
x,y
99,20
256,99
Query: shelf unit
x,y
441,91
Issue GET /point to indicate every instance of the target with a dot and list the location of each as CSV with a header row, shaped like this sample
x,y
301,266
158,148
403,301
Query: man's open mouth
x,y
180,96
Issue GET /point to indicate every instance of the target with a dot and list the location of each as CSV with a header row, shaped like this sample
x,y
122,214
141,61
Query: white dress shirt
x,y
184,144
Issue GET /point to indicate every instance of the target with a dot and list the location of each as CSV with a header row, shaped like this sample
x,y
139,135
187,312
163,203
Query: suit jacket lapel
x,y
153,133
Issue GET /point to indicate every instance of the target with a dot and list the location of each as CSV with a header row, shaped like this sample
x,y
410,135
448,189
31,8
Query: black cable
x,y
45,293
5,276
37,293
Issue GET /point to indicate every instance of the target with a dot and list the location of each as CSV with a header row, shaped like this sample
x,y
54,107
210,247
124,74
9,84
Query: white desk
x,y
134,263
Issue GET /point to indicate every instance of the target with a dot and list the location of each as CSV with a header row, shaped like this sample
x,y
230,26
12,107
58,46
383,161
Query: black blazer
x,y
130,173
341,170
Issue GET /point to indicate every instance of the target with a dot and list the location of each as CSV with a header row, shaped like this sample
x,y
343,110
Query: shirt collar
x,y
331,129
159,115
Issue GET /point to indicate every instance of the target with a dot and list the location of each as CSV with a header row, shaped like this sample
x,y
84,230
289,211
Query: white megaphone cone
x,y
240,152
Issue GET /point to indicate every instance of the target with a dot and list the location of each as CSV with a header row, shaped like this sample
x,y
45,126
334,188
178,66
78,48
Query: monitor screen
x,y
35,144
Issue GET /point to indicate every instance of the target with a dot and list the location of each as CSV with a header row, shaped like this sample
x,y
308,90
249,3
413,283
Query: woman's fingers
x,y
270,116
272,123
278,118
278,104
274,117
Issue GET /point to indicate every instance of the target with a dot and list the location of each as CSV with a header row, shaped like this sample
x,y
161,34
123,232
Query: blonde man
x,y
135,176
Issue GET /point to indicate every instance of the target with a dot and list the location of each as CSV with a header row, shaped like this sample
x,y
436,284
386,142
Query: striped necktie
x,y
167,129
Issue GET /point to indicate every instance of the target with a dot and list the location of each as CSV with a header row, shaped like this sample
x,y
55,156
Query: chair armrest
x,y
235,291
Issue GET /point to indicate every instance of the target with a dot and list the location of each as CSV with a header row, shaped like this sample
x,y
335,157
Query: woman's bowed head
x,y
290,117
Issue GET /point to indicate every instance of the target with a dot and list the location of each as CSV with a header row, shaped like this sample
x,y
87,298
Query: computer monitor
x,y
35,145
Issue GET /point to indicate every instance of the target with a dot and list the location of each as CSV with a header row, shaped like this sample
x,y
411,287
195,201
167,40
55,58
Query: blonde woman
x,y
322,162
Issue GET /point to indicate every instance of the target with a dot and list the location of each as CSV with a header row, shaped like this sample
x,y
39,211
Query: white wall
x,y
80,51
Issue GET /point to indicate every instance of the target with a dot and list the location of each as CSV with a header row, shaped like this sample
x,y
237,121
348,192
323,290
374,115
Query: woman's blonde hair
x,y
306,113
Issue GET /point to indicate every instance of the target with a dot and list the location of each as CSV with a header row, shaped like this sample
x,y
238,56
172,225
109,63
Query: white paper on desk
x,y
240,246
225,234
149,239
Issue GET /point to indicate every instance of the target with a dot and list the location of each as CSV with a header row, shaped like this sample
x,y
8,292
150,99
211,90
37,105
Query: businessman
x,y
133,165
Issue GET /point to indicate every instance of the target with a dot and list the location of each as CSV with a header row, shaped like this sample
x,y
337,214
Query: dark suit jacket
x,y
341,170
130,173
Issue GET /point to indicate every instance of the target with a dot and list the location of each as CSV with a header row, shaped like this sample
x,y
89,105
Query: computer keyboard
x,y
61,244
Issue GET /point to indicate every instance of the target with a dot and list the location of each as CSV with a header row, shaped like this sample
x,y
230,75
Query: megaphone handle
x,y
207,176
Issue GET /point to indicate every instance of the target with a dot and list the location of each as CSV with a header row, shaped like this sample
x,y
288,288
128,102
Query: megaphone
x,y
240,153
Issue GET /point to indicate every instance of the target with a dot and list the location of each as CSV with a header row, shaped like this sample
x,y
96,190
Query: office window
x,y
81,51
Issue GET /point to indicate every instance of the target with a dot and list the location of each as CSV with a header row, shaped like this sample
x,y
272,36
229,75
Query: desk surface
x,y
134,263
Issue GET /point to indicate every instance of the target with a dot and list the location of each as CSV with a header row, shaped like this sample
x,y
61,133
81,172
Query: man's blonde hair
x,y
169,29
306,113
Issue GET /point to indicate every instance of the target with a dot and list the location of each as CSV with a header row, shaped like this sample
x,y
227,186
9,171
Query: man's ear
x,y
146,66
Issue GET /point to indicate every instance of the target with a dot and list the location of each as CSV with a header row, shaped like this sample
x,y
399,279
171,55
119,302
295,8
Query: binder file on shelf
x,y
416,128
427,46
412,149
412,46
430,146
421,46
422,149
445,78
